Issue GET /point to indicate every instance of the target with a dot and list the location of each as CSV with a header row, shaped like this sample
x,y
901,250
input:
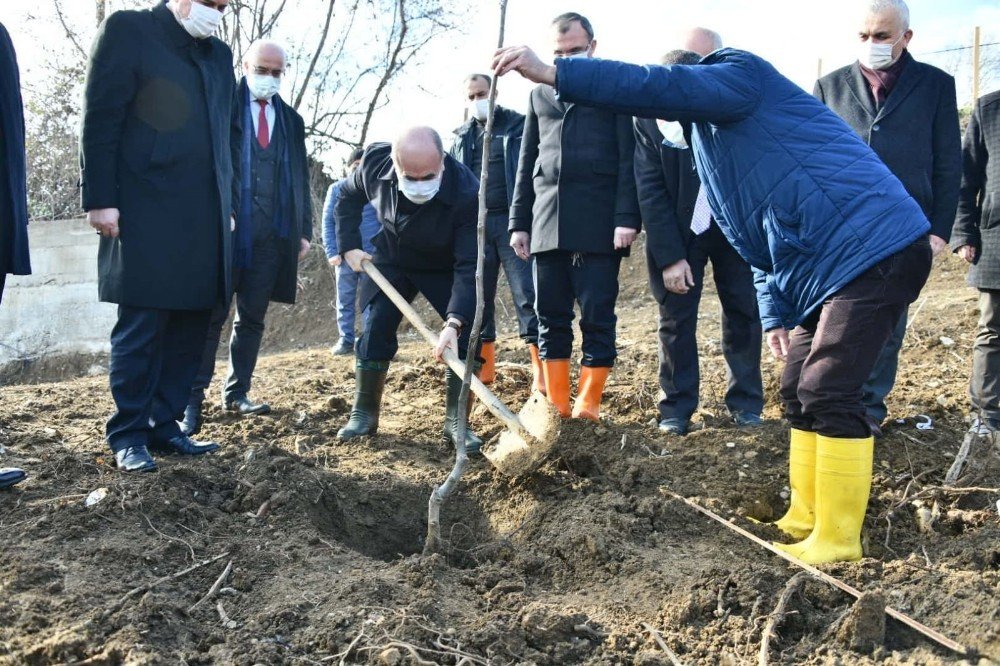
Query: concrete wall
x,y
55,311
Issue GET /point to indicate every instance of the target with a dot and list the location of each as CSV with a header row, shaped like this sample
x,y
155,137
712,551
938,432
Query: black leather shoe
x,y
10,476
191,423
246,407
342,348
135,459
183,446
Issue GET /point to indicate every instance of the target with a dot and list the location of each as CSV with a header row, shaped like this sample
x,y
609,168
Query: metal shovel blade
x,y
516,455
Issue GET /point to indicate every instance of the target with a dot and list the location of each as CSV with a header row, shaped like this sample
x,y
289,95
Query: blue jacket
x,y
797,193
369,223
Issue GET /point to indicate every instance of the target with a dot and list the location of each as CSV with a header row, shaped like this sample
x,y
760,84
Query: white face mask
x,y
419,191
572,56
479,109
673,133
201,21
263,86
877,56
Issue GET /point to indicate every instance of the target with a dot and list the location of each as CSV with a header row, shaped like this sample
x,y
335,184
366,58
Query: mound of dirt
x,y
587,561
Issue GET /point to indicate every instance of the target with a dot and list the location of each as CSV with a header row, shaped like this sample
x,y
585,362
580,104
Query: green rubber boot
x,y
473,443
369,380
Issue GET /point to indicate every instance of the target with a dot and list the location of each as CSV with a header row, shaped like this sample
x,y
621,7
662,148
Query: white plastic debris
x,y
95,497
924,422
946,341
730,445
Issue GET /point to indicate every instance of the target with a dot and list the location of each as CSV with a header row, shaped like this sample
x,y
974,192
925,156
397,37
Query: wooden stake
x,y
932,634
975,65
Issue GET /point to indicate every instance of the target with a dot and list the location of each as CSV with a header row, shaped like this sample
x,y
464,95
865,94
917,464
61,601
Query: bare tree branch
x,y
69,33
312,63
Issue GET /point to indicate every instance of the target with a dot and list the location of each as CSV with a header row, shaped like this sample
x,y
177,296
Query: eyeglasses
x,y
264,71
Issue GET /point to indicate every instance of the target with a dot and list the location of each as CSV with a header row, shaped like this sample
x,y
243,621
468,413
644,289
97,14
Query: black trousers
x,y
254,286
380,340
741,332
564,278
154,359
984,384
499,254
833,351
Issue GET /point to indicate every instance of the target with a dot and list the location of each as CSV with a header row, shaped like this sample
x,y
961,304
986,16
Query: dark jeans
x,y
154,358
741,332
833,351
254,286
562,278
984,385
380,340
883,375
500,253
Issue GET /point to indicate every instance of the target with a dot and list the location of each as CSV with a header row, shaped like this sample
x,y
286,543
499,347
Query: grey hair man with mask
x,y
159,138
427,203
273,228
906,111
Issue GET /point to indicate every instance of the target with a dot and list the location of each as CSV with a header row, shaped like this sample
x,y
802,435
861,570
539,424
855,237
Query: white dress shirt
x,y
268,113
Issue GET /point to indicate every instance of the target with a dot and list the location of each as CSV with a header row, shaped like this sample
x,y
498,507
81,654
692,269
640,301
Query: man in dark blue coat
x,y
428,205
575,214
13,188
838,247
273,229
505,150
906,111
681,238
157,149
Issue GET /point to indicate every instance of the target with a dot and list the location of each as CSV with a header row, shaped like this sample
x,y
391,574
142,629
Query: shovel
x,y
530,435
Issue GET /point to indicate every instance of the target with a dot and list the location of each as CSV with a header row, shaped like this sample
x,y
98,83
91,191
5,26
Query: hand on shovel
x,y
447,340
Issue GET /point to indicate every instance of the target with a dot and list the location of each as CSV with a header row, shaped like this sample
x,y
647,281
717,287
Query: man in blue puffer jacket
x,y
839,250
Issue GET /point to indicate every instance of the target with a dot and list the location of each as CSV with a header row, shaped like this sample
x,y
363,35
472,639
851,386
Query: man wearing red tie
x,y
272,231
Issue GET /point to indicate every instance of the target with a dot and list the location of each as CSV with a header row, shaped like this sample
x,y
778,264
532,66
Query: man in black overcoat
x,y
13,189
427,203
976,238
906,111
157,149
575,213
272,232
681,238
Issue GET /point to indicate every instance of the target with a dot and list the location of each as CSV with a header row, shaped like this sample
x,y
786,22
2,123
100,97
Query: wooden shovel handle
x,y
496,407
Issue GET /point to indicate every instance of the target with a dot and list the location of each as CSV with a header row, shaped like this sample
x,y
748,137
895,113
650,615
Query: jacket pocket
x,y
784,233
991,212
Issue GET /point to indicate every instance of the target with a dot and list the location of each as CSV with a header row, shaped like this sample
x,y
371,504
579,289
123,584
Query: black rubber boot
x,y
369,379
473,443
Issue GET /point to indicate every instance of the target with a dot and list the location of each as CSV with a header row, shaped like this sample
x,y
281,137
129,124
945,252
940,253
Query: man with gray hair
x,y
428,204
906,111
273,228
701,41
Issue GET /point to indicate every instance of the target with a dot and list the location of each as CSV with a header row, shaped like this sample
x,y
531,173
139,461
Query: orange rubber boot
x,y
588,399
537,373
489,369
557,384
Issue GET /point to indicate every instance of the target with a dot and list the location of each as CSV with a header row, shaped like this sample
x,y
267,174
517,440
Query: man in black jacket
x,y
976,238
428,205
505,149
156,151
906,111
273,229
13,189
575,212
681,238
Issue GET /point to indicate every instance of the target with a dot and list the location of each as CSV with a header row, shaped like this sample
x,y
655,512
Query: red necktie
x,y
263,133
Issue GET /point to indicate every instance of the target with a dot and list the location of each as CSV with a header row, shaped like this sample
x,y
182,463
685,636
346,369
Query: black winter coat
x,y
978,221
575,178
916,132
13,189
440,237
159,142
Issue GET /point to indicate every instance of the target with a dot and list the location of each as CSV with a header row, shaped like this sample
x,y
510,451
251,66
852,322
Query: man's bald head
x,y
701,41
418,154
265,53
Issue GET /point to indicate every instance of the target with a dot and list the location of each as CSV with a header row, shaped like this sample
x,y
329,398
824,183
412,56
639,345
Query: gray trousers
x,y
984,386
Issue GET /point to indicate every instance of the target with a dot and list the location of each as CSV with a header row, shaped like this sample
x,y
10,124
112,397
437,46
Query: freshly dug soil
x,y
587,561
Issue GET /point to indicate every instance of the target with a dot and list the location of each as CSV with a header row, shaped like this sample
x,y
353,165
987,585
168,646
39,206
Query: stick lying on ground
x,y
932,634
793,585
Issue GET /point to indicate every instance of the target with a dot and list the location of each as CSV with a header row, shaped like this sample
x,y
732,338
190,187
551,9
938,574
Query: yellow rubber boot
x,y
799,519
843,483
489,354
557,384
591,390
537,374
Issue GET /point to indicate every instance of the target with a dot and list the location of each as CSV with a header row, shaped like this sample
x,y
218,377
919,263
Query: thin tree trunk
x,y
315,58
102,10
